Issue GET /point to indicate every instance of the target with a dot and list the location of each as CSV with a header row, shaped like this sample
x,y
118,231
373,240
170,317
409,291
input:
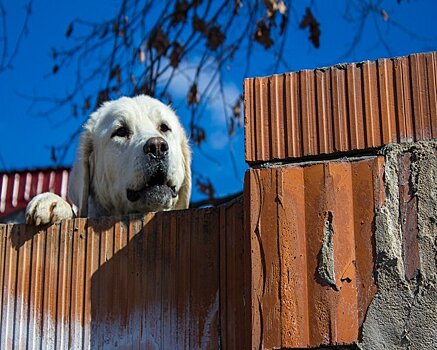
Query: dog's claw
x,y
47,208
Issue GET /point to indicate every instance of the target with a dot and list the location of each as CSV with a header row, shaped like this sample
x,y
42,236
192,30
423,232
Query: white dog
x,y
133,157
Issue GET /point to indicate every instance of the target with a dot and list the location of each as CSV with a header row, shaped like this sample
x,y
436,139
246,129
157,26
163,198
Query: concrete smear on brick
x,y
326,267
403,314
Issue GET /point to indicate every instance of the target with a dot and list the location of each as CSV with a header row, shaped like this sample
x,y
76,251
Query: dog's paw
x,y
47,208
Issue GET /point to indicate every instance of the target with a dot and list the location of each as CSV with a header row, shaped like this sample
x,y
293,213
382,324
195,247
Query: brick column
x,y
341,203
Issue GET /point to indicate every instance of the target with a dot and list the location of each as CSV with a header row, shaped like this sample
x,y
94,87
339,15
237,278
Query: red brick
x,y
357,106
292,305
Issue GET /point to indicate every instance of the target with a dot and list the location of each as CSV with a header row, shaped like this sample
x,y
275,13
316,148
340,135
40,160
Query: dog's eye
x,y
164,127
121,132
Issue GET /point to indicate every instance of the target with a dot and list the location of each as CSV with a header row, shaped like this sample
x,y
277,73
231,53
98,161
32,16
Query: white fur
x,y
106,166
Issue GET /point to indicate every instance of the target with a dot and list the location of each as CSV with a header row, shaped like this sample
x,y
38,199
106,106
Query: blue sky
x,y
27,137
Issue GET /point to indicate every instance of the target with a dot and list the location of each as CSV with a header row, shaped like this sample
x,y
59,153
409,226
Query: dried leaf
x,y
237,5
159,41
205,187
176,53
281,8
199,25
86,105
180,12
384,15
262,34
273,6
115,27
102,96
215,38
236,118
198,135
269,5
144,89
310,21
193,95
236,109
69,30
116,73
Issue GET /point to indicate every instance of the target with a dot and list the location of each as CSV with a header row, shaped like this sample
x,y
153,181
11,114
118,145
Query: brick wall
x,y
341,205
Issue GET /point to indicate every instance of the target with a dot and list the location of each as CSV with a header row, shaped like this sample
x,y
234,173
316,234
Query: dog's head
x,y
133,157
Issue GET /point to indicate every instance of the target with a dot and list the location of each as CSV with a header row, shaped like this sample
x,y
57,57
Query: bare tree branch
x,y
189,47
8,51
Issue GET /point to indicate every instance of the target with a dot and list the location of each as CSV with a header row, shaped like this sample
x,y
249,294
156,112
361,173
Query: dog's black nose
x,y
156,147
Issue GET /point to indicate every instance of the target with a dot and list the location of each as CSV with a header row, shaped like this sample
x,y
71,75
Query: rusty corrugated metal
x,y
301,220
17,188
341,108
169,280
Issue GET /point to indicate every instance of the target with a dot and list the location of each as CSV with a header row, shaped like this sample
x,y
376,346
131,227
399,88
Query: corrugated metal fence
x,y
172,280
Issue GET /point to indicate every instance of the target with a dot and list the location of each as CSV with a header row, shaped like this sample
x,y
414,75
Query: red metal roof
x,y
17,188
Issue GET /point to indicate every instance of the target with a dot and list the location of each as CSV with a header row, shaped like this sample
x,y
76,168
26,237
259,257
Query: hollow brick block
x,y
346,107
312,251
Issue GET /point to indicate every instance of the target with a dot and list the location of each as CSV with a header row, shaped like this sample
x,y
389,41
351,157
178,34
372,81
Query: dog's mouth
x,y
157,182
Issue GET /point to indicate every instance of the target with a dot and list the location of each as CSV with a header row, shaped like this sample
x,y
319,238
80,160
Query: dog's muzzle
x,y
157,182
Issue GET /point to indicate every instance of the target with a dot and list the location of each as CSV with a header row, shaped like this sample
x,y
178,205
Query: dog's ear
x,y
185,190
81,174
